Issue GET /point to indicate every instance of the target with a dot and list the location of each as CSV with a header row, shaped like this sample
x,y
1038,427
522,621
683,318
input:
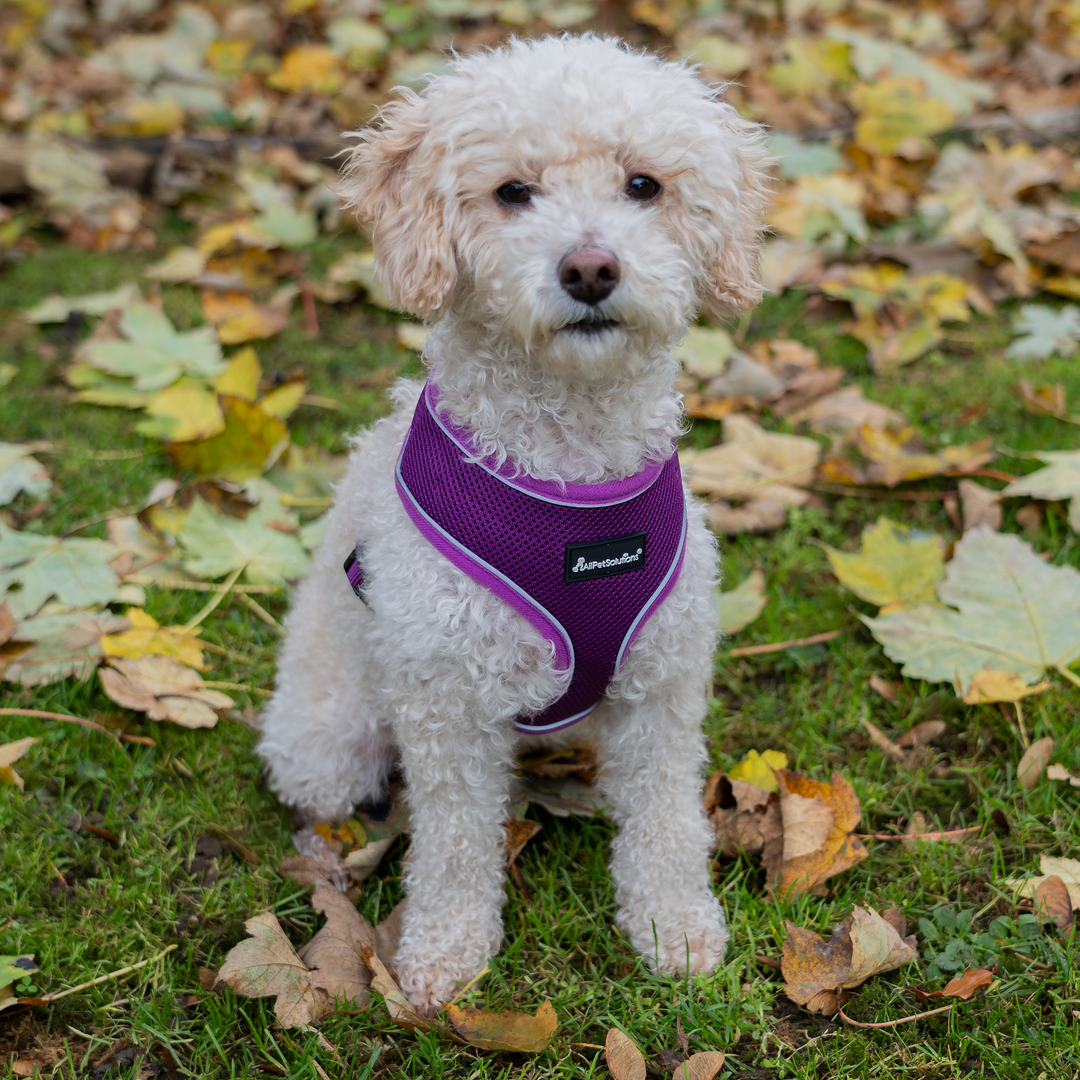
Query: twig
x,y
878,493
200,586
990,474
472,982
321,402
938,835
49,998
780,646
222,651
226,585
237,686
61,716
262,613
887,1023
97,518
883,741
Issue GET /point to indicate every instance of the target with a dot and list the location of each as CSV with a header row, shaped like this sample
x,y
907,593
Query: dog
x,y
556,210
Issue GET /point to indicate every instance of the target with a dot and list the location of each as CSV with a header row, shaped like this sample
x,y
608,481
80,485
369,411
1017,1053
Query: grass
x,y
165,882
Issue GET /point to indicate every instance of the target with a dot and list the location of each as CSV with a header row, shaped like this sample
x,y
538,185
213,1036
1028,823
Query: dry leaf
x,y
9,753
863,945
846,412
334,954
164,689
519,831
888,690
962,987
1052,903
899,456
922,734
1036,757
1059,772
703,1066
508,1031
980,506
807,824
990,686
881,740
841,849
397,1004
148,638
756,516
745,818
1052,866
266,965
624,1059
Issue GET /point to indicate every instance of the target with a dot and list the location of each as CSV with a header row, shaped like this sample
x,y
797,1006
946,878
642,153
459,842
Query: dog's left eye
x,y
642,188
514,193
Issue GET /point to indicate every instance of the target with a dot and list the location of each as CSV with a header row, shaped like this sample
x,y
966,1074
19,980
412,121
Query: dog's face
x,y
573,198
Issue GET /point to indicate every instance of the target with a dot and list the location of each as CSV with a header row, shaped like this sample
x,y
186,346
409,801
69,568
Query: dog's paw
x,y
429,984
687,954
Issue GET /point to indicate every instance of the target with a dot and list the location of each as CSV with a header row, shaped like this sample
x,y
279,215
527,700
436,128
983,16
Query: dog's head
x,y
572,197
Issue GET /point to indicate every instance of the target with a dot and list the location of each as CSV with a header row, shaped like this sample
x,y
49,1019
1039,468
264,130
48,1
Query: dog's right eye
x,y
514,193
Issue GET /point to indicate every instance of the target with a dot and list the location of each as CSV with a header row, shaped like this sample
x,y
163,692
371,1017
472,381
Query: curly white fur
x,y
434,672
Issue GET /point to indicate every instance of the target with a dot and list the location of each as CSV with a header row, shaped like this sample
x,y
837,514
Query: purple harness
x,y
586,564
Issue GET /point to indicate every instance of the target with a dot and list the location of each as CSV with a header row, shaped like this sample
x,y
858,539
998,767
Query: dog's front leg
x,y
652,754
458,776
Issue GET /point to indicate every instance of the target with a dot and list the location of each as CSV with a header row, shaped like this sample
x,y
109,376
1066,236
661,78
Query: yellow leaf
x,y
147,117
757,769
895,567
232,234
507,1031
282,400
988,686
814,66
238,318
185,411
11,752
308,69
894,111
719,55
897,456
226,57
147,638
251,442
180,264
241,377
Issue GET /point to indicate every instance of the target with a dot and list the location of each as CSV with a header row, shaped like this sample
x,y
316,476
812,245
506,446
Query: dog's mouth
x,y
590,326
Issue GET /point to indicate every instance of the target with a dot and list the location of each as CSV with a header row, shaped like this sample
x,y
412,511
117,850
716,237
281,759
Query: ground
x,y
84,906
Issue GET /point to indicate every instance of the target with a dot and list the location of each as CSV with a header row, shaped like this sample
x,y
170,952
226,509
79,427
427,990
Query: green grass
x,y
126,902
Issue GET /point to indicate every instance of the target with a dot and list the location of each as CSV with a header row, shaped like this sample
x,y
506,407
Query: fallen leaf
x,y
519,831
164,689
27,1067
896,568
308,68
148,638
1016,614
745,819
241,377
624,1060
180,264
703,1066
1045,332
896,113
75,571
50,647
740,606
283,400
846,412
863,945
962,986
334,954
760,769
266,965
989,686
1059,772
882,741
1059,480
1037,756
250,444
56,308
397,1004
888,690
807,825
186,411
922,734
239,318
1068,870
840,849
899,456
10,753
20,472
1045,400
980,506
1052,903
513,1032
755,516
704,351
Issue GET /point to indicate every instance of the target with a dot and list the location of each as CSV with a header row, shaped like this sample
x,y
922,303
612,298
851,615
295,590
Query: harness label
x,y
602,558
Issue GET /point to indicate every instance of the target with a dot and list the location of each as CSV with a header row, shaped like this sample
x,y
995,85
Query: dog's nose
x,y
589,275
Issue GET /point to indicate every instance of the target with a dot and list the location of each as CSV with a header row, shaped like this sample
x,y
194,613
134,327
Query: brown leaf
x,y
164,689
624,1059
388,935
1053,904
266,965
304,869
334,953
9,753
882,741
841,849
519,831
7,623
1036,758
864,944
807,824
702,1066
756,516
208,978
397,1004
922,734
980,506
508,1031
897,456
745,817
27,1067
888,690
963,986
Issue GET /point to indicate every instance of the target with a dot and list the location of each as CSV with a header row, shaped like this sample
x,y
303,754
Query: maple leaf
x,y
266,965
704,351
180,263
10,753
56,308
21,472
899,456
845,412
513,1032
863,945
239,318
216,544
760,769
155,355
241,377
1015,614
1059,480
251,443
895,568
183,412
1044,332
76,571
60,645
740,606
164,689
334,954
148,638
896,113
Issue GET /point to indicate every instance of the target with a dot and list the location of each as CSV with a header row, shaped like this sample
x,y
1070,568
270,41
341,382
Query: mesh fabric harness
x,y
586,564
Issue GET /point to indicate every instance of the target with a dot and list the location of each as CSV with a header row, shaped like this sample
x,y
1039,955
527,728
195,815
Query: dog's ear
x,y
389,182
732,280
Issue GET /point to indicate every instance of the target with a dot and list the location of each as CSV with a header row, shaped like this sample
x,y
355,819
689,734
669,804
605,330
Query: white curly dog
x,y
556,209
